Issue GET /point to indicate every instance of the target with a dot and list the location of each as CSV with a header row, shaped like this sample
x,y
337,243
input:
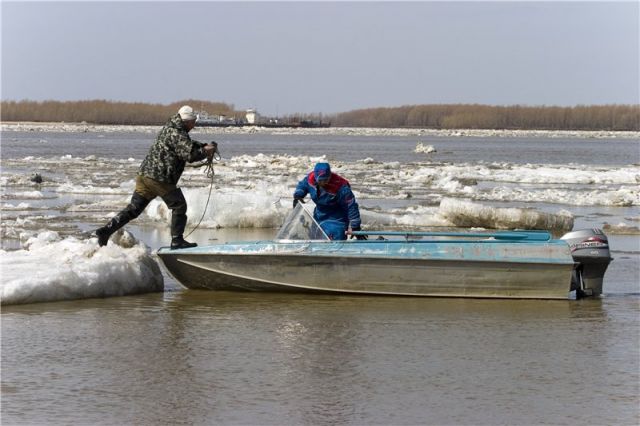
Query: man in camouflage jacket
x,y
159,174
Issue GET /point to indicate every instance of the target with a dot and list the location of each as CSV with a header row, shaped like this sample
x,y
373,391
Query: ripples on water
x,y
197,357
234,358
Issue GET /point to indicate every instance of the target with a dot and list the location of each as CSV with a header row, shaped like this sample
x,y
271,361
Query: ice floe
x,y
49,268
351,131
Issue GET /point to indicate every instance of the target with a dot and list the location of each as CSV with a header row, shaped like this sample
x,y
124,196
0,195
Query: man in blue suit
x,y
336,209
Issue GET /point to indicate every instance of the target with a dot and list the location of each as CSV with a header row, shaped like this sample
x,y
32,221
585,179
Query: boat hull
x,y
445,270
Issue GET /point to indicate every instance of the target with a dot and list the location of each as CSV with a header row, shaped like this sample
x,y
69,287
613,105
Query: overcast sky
x,y
289,57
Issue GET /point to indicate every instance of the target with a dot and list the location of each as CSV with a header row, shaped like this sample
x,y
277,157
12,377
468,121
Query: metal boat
x,y
503,264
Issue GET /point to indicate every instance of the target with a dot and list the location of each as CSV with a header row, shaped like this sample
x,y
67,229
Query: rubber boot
x,y
136,206
178,205
106,231
180,243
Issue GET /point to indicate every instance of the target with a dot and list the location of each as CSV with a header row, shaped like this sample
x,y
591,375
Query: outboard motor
x,y
590,250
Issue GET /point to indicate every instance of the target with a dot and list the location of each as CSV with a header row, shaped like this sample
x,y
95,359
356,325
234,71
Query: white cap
x,y
186,113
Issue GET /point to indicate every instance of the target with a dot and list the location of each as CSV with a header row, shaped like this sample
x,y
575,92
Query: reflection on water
x,y
252,358
193,357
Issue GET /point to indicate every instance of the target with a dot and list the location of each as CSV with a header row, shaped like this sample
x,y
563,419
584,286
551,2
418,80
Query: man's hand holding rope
x,y
211,149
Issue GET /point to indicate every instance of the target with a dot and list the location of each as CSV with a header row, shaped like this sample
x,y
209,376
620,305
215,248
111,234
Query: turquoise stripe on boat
x,y
506,235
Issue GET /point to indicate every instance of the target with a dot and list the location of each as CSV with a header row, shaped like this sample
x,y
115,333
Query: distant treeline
x,y
105,112
448,116
461,116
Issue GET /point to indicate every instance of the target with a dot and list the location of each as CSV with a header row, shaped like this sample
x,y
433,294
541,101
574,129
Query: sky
x,y
323,57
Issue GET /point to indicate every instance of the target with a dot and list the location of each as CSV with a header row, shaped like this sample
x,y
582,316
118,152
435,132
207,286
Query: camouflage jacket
x,y
170,152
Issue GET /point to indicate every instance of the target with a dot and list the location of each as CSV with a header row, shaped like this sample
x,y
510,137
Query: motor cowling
x,y
590,250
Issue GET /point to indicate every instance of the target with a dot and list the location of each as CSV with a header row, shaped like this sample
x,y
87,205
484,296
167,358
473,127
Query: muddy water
x,y
226,358
191,357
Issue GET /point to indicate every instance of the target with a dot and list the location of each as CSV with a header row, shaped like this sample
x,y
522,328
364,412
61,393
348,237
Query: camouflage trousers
x,y
146,190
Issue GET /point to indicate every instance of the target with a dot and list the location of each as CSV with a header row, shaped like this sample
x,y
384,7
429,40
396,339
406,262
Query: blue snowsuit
x,y
336,206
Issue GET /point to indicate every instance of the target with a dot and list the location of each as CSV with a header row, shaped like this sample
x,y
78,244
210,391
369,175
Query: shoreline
x,y
337,131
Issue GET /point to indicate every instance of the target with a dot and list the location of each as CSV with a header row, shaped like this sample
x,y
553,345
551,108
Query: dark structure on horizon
x,y
252,118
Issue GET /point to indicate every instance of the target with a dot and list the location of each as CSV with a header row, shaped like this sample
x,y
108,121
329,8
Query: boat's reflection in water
x,y
248,357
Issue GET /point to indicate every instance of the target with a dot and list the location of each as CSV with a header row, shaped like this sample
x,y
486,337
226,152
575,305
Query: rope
x,y
208,165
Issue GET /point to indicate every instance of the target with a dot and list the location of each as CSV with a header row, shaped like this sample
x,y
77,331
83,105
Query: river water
x,y
195,357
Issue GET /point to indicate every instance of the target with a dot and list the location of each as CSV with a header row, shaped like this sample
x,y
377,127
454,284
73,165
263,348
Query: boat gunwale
x,y
198,251
342,242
